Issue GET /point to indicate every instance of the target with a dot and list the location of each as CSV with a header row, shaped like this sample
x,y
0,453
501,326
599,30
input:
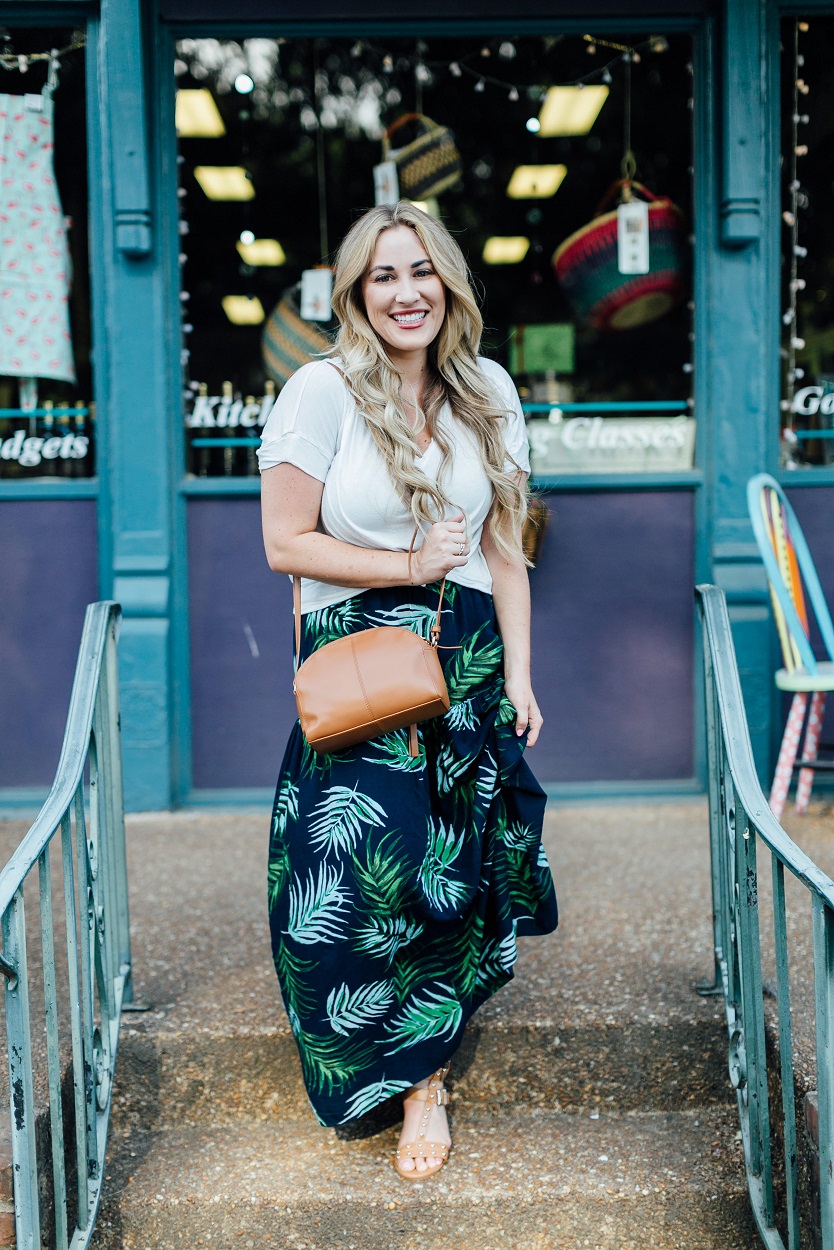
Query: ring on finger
x,y
461,547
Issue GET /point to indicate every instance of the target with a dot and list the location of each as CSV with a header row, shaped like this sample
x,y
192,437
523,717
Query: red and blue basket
x,y
586,265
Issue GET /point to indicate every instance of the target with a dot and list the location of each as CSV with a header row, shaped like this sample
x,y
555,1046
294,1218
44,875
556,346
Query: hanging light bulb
x,y
507,50
513,96
606,77
480,85
533,125
244,84
247,236
455,70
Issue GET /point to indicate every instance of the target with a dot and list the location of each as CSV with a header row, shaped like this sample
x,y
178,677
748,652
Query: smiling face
x,y
405,300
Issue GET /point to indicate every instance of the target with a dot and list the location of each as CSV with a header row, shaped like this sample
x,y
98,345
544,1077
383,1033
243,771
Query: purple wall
x,y
612,639
241,648
613,614
48,575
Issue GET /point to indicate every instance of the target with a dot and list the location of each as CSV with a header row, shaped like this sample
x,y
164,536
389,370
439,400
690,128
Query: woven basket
x,y
586,266
288,341
429,164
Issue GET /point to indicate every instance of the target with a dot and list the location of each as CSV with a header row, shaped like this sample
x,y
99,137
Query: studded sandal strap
x,y
441,1097
423,1150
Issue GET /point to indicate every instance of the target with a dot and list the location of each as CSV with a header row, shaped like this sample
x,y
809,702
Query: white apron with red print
x,y
34,257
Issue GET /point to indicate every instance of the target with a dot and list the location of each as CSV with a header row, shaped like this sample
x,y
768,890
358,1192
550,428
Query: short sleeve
x,y
304,424
515,429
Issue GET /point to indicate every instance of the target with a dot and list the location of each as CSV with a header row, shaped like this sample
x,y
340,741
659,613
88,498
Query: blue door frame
x,y
142,495
167,36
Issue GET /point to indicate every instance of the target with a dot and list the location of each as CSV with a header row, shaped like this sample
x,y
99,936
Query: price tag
x,y
386,183
633,237
316,288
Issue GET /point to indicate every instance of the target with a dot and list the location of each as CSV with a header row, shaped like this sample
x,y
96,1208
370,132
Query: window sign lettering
x,y
595,444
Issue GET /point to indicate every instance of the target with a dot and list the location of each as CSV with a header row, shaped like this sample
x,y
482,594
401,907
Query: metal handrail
x,y
739,819
97,941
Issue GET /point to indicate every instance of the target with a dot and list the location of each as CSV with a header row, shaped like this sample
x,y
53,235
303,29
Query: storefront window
x,y
520,145
807,244
46,409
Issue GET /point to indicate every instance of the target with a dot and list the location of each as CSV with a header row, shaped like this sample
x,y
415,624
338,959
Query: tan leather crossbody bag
x,y
368,683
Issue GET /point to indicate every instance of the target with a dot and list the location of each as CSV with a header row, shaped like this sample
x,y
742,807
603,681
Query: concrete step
x,y
521,1178
166,1079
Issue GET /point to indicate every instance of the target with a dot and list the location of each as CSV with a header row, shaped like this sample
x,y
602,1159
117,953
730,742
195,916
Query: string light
x,y
513,95
790,216
480,85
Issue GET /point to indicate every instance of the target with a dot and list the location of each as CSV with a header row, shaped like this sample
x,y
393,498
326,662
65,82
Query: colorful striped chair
x,y
791,573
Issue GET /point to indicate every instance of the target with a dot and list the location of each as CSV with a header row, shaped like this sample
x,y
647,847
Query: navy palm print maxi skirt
x,y
398,885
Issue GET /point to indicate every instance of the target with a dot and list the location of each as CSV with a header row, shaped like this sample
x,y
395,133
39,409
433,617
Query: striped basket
x,y
586,266
429,164
289,341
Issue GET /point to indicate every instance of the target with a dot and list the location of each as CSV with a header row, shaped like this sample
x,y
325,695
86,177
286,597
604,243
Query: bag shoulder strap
x,y
434,630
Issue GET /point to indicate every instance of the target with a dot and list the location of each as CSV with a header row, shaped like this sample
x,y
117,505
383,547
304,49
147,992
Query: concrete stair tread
x,y
511,1175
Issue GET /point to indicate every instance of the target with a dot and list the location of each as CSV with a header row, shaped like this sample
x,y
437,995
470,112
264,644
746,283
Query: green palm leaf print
x,y
518,837
336,822
277,873
392,750
412,969
384,936
286,808
316,907
349,1010
467,952
542,860
473,665
294,975
318,763
487,780
442,851
497,960
449,768
371,1096
383,878
332,1060
525,889
414,616
433,1015
286,804
506,712
328,624
461,715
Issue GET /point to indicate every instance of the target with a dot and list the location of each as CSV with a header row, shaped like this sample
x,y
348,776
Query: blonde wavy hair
x,y
454,376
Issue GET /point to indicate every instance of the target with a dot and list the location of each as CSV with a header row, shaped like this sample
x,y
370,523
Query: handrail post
x,y
741,821
21,1090
823,926
97,945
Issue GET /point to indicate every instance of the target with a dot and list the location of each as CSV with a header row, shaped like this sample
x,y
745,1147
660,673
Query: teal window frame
x,y
702,31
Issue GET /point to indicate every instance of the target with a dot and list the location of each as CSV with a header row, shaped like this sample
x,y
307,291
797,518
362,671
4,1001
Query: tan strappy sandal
x,y
434,1094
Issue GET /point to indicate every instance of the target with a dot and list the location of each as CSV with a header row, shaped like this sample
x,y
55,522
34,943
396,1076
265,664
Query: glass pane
x,y
807,244
587,304
46,409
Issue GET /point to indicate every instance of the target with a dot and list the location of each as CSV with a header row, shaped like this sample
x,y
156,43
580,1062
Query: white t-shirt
x,y
316,426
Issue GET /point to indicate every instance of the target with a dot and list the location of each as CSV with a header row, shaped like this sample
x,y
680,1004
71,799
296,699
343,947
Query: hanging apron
x,y
34,256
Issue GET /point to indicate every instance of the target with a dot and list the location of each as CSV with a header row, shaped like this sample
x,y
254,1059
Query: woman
x,y
398,885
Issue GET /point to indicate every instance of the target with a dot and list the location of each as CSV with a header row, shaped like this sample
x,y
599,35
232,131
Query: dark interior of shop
x,y
308,129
